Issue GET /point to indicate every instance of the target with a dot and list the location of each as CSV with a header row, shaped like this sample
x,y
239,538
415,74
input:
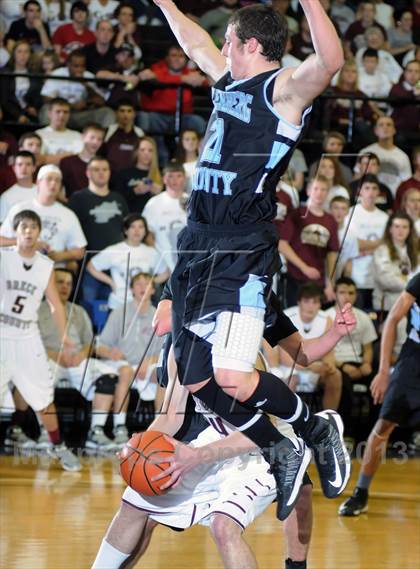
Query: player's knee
x,y
105,385
383,428
224,530
233,382
130,515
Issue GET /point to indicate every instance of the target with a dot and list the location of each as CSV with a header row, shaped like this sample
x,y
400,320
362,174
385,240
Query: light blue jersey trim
x,y
252,293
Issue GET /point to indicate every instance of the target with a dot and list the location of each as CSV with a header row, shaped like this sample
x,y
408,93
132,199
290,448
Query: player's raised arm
x,y
195,41
297,89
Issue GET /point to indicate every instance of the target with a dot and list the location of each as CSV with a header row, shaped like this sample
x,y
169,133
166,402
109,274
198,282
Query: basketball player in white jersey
x,y
311,323
25,277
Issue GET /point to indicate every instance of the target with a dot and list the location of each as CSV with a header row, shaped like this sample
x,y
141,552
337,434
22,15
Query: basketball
x,y
136,464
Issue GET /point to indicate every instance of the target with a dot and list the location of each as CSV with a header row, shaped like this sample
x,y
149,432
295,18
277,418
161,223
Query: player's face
x,y
27,234
92,140
175,183
142,289
136,232
64,285
309,308
399,230
317,193
233,50
49,187
33,145
368,194
24,168
345,293
99,173
339,211
59,116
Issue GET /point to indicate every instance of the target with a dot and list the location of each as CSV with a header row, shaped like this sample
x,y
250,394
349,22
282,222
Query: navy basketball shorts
x,y
401,404
221,271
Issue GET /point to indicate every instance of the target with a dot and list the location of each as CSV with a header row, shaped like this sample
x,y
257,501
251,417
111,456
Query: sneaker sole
x,y
354,514
328,415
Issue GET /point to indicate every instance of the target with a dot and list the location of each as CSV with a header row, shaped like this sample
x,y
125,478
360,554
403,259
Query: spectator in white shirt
x,y
58,141
372,81
61,238
375,39
166,215
367,223
394,261
395,164
187,154
101,10
126,259
342,14
349,244
24,189
86,101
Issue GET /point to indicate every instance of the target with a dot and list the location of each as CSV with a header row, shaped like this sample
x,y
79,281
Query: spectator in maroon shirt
x,y
122,138
73,167
407,116
101,54
302,45
30,28
339,108
309,242
354,36
413,182
75,35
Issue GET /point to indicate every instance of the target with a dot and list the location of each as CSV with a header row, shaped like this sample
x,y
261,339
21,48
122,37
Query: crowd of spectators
x,y
82,91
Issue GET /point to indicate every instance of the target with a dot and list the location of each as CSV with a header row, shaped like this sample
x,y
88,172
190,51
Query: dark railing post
x,y
178,111
352,118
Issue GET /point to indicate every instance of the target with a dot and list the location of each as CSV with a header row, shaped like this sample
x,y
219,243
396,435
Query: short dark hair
x,y
335,134
26,154
370,155
27,136
29,2
131,218
370,179
58,101
264,24
309,290
125,103
124,5
173,166
97,158
64,270
370,52
344,281
93,126
78,6
76,53
26,214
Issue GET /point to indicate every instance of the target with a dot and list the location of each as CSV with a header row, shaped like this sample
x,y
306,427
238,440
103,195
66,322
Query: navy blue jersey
x,y
246,149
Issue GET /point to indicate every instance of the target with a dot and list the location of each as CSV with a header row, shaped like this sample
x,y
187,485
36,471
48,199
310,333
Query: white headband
x,y
48,169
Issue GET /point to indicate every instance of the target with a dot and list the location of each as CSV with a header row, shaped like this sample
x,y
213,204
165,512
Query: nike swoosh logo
x,y
338,478
259,403
307,414
300,449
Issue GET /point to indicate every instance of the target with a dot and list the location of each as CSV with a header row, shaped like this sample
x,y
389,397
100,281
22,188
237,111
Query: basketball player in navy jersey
x,y
228,251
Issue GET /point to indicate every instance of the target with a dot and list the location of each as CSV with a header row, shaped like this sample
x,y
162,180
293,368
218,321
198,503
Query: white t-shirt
x,y
308,330
349,249
14,195
60,227
98,11
387,64
189,168
395,165
56,141
350,347
368,226
377,84
72,91
115,258
165,217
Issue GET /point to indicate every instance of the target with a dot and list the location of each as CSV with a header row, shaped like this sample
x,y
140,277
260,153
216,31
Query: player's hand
x,y
312,273
345,320
379,386
182,461
163,3
162,320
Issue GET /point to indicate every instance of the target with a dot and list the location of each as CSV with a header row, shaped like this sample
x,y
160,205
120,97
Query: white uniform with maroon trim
x,y
240,488
23,359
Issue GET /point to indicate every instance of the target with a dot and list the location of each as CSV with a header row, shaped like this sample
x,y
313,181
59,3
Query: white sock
x,y
109,557
98,419
119,419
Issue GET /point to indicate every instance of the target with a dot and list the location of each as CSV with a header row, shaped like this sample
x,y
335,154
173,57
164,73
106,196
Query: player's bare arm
x,y
195,41
295,89
400,309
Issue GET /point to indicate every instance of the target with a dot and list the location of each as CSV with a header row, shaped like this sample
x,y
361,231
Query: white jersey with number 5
x,y
23,282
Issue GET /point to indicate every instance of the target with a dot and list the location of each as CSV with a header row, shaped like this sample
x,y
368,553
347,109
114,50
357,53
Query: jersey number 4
x,y
212,150
18,305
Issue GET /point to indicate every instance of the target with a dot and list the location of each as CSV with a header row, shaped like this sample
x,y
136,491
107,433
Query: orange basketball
x,y
135,462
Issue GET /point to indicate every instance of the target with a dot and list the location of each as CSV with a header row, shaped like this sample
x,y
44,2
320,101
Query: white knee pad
x,y
237,341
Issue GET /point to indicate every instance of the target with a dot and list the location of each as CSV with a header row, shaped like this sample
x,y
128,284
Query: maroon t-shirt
x,y
73,169
311,237
120,150
406,117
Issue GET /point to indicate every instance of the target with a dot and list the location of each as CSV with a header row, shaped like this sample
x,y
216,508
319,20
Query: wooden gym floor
x,y
51,519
